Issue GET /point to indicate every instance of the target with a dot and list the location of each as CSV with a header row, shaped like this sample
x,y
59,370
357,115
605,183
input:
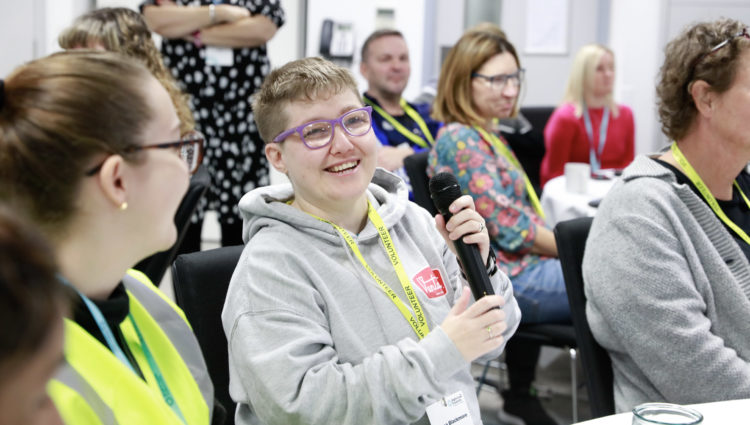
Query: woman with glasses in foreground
x,y
347,305
666,264
88,154
589,126
480,83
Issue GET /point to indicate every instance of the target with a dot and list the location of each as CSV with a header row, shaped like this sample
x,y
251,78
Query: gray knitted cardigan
x,y
668,292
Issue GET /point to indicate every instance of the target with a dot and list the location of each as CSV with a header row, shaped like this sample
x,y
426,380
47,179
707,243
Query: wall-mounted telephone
x,y
337,41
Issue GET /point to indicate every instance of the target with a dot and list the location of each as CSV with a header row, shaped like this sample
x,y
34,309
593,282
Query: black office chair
x,y
416,168
156,265
597,367
201,280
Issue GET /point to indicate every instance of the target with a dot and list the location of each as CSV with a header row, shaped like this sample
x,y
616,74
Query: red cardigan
x,y
566,140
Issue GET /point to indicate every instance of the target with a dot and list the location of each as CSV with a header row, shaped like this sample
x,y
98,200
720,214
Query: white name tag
x,y
450,410
219,56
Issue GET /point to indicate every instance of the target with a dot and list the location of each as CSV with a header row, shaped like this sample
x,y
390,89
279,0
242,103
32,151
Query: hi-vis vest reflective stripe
x,y
94,387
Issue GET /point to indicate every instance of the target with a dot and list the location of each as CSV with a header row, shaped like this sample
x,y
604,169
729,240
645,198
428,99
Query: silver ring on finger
x,y
481,226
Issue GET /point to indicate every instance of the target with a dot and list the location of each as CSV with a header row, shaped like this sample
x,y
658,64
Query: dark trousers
x,y
231,234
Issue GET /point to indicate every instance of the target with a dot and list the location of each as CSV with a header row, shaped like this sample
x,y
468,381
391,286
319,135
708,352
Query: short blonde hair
x,y
124,31
453,102
686,60
305,79
582,73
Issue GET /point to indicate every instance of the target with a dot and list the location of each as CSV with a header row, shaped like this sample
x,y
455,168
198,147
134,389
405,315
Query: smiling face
x,y
489,101
387,68
332,177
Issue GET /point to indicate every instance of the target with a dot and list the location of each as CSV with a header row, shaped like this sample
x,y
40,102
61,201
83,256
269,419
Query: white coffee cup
x,y
577,176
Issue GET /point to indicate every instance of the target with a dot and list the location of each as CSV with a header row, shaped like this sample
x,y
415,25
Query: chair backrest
x,y
416,169
571,238
201,280
156,265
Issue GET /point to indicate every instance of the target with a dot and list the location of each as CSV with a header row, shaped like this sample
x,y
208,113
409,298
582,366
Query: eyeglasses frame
x,y
286,133
520,73
201,140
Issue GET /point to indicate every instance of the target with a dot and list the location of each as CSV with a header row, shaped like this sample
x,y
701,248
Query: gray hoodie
x,y
312,337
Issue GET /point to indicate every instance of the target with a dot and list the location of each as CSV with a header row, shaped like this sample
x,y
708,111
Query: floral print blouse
x,y
498,189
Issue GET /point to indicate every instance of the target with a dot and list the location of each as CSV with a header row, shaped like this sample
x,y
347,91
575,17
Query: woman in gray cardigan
x,y
666,265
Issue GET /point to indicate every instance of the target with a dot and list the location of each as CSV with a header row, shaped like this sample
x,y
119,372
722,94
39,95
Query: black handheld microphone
x,y
444,189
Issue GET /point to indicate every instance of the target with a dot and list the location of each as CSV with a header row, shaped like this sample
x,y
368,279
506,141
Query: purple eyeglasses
x,y
319,133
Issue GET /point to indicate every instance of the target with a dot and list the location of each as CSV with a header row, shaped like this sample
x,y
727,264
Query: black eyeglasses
x,y
319,133
698,60
189,148
498,82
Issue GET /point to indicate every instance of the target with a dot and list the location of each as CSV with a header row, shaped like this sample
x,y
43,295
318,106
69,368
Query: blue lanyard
x,y
109,337
594,153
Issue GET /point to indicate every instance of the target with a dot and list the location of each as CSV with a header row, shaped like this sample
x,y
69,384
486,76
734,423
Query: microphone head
x,y
444,189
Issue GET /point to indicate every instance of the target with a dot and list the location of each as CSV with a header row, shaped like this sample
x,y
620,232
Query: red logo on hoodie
x,y
430,281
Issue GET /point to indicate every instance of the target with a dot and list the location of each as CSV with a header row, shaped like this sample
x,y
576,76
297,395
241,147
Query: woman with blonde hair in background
x,y
589,126
92,153
480,82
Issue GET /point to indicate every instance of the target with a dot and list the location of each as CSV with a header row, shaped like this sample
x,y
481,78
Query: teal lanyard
x,y
165,392
595,153
114,347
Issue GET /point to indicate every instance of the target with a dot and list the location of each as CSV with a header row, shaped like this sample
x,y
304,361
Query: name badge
x,y
219,56
450,410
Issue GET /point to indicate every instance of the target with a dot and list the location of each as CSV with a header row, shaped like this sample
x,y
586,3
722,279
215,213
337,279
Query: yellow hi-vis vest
x,y
94,387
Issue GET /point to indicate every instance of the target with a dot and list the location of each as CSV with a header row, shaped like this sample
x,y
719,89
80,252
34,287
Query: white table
x,y
717,413
560,205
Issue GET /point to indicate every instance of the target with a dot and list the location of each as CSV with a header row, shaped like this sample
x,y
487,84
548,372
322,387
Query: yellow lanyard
x,y
414,115
504,151
712,202
416,320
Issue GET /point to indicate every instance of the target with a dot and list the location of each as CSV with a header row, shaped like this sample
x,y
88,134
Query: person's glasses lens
x,y
317,134
356,123
190,151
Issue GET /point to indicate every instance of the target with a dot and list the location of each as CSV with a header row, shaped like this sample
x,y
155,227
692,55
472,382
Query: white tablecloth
x,y
718,413
560,205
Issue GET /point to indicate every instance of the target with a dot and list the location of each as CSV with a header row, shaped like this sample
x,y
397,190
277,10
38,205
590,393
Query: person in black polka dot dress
x,y
216,49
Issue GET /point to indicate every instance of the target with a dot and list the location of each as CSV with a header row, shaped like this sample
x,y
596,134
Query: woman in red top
x,y
589,126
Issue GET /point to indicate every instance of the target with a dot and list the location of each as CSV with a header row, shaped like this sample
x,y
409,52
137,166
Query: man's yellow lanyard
x,y
504,151
416,320
414,115
712,202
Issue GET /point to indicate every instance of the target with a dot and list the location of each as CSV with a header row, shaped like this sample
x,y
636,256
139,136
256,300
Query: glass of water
x,y
665,414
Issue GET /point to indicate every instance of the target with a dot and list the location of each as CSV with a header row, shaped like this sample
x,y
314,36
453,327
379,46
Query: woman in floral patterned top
x,y
480,83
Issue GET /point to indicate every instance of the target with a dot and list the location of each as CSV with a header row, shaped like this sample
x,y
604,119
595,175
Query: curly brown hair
x,y
689,58
122,30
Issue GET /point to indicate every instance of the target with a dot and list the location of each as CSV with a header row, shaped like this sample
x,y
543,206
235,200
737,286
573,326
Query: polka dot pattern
x,y
220,99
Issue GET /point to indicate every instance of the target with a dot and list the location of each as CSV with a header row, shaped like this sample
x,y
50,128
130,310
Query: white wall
x,y
409,19
546,74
